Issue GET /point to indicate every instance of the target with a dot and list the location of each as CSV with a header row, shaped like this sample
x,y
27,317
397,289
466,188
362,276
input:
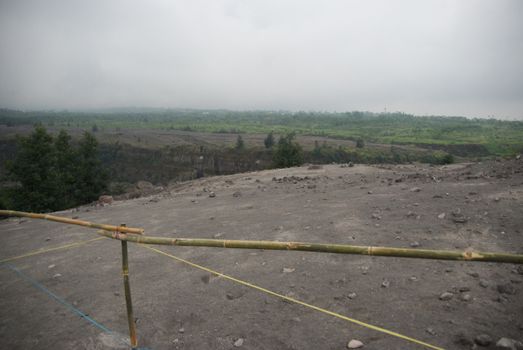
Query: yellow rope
x,y
41,251
267,291
245,283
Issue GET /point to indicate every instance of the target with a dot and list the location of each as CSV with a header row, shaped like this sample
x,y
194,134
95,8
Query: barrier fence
x,y
136,235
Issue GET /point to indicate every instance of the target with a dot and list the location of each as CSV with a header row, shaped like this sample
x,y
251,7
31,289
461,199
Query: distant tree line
x,y
488,136
51,173
288,153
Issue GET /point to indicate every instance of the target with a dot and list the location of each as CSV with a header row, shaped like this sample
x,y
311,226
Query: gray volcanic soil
x,y
180,307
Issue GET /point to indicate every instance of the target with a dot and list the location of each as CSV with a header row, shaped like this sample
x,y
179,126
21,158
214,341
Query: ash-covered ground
x,y
450,304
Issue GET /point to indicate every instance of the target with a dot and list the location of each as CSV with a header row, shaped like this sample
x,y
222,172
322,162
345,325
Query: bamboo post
x,y
127,288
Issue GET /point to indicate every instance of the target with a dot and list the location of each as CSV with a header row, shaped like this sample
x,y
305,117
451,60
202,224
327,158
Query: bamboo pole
x,y
119,232
466,255
127,289
63,220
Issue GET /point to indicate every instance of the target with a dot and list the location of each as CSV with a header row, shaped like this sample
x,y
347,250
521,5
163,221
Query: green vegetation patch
x,y
491,136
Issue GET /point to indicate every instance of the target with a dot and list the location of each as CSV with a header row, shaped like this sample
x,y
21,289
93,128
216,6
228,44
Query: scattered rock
x,y
483,283
288,269
181,330
237,194
231,296
385,283
520,269
57,275
314,167
460,220
113,340
466,297
430,331
458,217
352,295
144,186
238,342
446,296
483,340
130,195
464,289
376,216
414,244
506,288
292,179
105,200
415,189
508,344
462,339
501,299
212,194
355,344
441,216
52,266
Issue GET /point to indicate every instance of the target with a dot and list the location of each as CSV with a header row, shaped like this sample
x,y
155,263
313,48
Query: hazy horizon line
x,y
144,109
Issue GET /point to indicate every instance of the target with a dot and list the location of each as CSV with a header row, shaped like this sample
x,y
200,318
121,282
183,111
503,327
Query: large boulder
x,y
144,186
105,200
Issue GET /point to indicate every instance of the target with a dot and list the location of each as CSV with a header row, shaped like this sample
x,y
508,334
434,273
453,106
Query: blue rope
x,y
57,298
40,287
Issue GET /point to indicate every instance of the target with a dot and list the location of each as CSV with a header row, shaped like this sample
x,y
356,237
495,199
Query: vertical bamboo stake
x,y
128,301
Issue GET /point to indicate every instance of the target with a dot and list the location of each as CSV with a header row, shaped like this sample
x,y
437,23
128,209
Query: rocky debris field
x,y
449,304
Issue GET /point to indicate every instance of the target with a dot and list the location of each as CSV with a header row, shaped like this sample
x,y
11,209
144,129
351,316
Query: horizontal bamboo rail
x,y
63,220
466,255
120,233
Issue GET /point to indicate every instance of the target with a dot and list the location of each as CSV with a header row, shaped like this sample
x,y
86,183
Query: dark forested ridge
x,y
51,173
161,146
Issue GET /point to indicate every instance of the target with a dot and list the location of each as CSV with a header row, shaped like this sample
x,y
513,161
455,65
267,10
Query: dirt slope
x,y
180,307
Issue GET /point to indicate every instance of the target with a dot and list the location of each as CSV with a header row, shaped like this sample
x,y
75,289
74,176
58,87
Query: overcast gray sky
x,y
462,57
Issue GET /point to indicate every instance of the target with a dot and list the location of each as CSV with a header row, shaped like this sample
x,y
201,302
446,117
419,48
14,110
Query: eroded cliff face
x,y
131,164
